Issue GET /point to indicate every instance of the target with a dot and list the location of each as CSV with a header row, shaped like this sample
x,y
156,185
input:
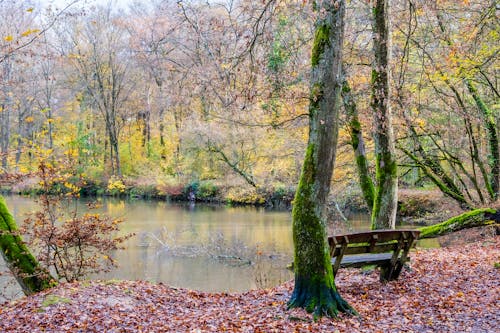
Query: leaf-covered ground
x,y
455,289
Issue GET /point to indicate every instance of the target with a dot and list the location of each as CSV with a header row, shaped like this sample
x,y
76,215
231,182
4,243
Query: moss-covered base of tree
x,y
474,218
318,296
26,269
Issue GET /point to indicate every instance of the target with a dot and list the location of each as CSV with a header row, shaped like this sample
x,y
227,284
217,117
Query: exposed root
x,y
318,298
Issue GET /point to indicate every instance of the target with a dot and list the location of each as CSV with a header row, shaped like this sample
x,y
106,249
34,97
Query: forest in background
x,y
210,98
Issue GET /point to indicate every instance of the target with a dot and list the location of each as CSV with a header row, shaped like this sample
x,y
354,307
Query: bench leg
x,y
384,273
388,274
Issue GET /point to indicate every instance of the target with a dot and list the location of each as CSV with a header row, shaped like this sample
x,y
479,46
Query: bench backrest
x,y
376,241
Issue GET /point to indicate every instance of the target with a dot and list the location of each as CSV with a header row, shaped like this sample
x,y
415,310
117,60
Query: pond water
x,y
197,246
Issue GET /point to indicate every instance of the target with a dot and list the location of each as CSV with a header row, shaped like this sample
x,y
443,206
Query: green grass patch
x,y
54,299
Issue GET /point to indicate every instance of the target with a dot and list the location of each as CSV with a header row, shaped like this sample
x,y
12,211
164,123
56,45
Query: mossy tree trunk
x,y
358,144
470,219
28,272
492,181
385,200
314,282
493,184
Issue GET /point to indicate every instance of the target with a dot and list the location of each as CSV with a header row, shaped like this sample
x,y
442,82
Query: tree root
x,y
318,298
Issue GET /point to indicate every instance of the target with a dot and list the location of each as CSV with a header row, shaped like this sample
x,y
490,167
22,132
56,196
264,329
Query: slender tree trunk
x,y
492,181
26,269
430,166
5,133
145,117
491,128
358,145
385,200
5,114
314,282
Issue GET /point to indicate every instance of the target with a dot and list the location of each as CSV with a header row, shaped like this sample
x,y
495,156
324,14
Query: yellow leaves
x,y
115,185
420,122
71,153
72,187
29,119
29,32
30,10
10,38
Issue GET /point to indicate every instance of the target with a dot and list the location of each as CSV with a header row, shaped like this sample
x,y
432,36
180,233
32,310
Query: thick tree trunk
x,y
473,218
314,282
31,277
358,145
385,200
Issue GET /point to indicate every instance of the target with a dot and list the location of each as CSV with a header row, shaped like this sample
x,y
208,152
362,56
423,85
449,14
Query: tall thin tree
x,y
385,200
315,288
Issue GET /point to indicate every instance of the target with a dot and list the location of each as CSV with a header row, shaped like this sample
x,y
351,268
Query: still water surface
x,y
196,246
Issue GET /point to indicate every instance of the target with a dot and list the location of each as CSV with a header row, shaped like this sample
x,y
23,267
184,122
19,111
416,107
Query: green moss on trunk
x,y
321,41
385,193
31,277
493,185
318,295
314,282
358,145
385,199
473,218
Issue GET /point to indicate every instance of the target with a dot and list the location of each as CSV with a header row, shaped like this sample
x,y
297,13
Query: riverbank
x,y
271,195
415,205
452,289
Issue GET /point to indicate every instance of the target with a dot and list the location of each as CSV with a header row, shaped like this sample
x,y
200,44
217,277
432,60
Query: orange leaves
x,y
427,299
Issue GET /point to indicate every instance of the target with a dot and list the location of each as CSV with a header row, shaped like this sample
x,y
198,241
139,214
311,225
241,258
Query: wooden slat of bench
x,y
361,260
358,249
365,237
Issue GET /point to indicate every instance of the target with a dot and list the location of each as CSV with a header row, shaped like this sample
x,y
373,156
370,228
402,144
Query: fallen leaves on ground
x,y
446,290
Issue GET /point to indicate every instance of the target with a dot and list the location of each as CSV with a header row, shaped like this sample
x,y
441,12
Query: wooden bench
x,y
387,249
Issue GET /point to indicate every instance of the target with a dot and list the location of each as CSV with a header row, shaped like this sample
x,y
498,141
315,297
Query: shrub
x,y
206,191
239,195
116,186
70,244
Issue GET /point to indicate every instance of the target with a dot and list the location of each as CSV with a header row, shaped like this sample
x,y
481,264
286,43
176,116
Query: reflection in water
x,y
202,247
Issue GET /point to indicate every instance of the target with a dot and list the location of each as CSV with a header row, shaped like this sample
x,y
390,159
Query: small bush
x,y
170,188
70,244
245,196
115,186
206,191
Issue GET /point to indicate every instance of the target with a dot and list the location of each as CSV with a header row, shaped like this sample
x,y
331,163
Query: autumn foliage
x,y
445,290
71,244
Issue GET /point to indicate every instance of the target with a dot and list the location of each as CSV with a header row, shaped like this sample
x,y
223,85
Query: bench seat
x,y
387,249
